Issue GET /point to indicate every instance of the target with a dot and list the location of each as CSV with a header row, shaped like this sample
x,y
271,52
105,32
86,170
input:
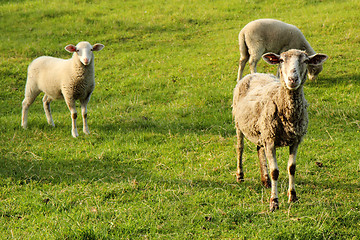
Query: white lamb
x,y
269,35
271,113
71,79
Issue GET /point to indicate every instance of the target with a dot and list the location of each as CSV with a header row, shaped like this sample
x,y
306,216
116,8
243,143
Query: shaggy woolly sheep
x,y
71,79
271,113
269,35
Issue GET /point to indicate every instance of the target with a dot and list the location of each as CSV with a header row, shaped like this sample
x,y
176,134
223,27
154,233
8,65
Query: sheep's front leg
x,y
291,171
72,107
46,103
84,115
239,152
270,152
265,179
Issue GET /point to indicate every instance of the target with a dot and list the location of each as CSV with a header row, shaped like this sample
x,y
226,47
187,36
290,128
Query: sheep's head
x,y
293,66
84,51
314,71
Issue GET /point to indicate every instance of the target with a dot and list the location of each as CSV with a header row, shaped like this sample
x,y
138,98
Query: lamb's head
x,y
84,51
293,66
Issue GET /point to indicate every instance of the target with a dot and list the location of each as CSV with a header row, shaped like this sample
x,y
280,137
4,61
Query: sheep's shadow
x,y
332,81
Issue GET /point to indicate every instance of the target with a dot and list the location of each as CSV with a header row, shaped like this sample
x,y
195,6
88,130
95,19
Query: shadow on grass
x,y
332,81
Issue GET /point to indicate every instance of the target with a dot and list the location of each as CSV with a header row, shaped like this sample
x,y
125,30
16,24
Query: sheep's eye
x,y
77,50
91,49
281,60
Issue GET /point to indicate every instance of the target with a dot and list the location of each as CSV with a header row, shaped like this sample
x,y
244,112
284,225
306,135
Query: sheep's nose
x,y
293,79
86,61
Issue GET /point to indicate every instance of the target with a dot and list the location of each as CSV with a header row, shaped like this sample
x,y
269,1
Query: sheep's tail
x,y
244,54
244,50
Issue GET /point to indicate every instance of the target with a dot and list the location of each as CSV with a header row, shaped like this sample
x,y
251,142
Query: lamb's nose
x,y
86,61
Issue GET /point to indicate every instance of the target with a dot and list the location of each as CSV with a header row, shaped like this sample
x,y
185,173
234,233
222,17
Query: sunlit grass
x,y
160,159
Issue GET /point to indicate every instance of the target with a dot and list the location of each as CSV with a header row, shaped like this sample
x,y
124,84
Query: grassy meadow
x,y
160,160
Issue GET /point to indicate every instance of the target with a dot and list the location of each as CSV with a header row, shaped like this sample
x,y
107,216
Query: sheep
x,y
269,35
271,113
71,79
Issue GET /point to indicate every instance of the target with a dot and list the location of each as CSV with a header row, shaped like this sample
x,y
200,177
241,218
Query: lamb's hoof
x,y
292,196
75,134
87,132
239,177
274,204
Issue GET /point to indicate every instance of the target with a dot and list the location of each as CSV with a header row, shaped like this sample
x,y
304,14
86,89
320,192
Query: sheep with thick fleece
x,y
270,35
71,79
271,113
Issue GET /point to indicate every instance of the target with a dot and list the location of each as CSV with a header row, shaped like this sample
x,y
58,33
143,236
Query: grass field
x,y
160,160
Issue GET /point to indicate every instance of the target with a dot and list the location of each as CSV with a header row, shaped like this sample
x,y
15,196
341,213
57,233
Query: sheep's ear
x,y
98,47
317,59
70,48
271,58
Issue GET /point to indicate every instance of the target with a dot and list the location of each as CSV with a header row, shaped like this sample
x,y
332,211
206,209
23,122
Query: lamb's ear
x,y
271,58
98,47
317,59
70,48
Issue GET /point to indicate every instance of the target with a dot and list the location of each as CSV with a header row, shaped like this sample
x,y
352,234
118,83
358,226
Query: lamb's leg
x,y
46,103
30,96
291,171
244,57
255,56
84,115
72,107
239,152
270,152
265,179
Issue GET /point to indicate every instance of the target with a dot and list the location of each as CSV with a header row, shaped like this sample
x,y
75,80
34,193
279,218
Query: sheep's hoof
x,y
239,177
292,196
274,204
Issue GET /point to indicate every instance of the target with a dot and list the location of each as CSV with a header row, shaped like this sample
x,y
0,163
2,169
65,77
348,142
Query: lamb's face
x,y
293,68
84,51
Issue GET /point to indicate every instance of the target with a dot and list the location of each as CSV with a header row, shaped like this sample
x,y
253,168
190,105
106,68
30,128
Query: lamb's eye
x,y
281,60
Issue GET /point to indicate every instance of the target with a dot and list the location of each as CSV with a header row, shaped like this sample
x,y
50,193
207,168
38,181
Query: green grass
x,y
160,160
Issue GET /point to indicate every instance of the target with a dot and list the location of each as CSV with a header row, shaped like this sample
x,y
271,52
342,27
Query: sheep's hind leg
x,y
30,97
84,115
291,171
72,107
46,103
243,60
265,179
255,56
239,153
270,152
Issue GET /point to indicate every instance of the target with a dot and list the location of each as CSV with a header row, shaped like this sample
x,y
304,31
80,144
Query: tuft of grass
x,y
160,160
